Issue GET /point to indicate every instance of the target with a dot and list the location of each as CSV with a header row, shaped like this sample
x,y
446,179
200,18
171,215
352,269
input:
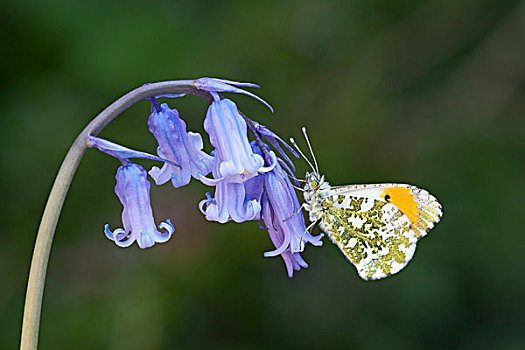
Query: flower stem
x,y
255,134
46,231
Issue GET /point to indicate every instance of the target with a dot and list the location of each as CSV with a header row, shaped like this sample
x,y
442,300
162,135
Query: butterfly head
x,y
314,182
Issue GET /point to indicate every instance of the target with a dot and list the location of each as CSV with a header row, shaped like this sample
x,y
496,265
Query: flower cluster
x,y
251,181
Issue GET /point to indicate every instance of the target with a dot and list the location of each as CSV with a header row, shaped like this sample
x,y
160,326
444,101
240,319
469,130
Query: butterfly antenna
x,y
292,141
310,147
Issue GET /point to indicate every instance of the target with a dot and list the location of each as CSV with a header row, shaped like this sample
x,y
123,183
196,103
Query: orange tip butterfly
x,y
376,226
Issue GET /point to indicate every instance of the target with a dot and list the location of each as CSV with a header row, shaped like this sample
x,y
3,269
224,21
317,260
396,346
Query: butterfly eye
x,y
314,184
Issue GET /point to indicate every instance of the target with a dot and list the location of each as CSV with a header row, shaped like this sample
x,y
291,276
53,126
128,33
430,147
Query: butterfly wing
x,y
377,226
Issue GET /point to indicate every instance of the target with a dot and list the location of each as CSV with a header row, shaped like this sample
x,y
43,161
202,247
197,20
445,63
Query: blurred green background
x,y
424,92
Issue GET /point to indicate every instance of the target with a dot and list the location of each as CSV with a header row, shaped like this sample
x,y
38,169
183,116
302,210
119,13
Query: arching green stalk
x,y
46,231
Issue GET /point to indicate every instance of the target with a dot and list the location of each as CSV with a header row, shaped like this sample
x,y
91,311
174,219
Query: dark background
x,y
423,92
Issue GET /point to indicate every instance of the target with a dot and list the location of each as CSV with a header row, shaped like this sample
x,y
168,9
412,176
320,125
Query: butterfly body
x,y
376,226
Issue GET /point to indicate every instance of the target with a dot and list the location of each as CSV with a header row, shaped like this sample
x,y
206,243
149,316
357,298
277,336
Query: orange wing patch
x,y
403,198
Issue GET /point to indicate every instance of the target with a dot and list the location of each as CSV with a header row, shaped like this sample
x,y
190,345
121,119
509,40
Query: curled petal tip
x,y
264,169
277,251
210,182
201,206
168,228
269,254
206,202
118,236
108,232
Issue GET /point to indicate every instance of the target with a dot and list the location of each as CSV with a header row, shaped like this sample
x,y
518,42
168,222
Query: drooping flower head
x,y
226,126
252,182
284,220
236,162
133,191
273,194
177,145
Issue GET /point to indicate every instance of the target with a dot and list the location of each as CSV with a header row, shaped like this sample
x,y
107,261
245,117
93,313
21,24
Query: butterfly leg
x,y
308,229
297,212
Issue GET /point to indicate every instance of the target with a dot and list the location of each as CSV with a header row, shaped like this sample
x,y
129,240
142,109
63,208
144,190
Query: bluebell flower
x,y
233,200
133,191
234,159
177,145
137,217
284,220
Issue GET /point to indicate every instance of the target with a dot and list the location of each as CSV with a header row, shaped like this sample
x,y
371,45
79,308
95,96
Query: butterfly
x,y
376,226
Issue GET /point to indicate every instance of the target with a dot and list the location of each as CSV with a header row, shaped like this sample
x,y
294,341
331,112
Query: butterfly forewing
x,y
422,209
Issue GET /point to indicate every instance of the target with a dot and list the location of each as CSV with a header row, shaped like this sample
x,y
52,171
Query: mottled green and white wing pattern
x,y
377,226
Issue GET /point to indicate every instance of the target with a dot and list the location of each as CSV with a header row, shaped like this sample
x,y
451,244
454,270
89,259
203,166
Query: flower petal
x,y
168,228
